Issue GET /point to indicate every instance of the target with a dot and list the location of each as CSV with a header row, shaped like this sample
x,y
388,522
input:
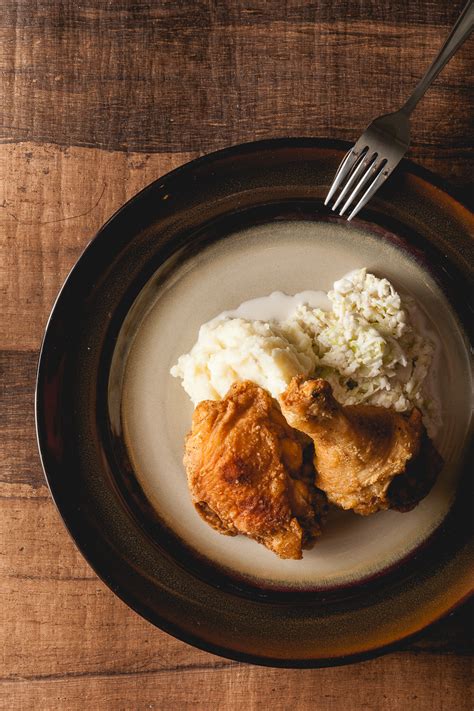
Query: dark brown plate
x,y
79,437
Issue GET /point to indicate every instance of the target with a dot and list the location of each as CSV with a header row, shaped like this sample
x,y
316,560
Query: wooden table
x,y
99,99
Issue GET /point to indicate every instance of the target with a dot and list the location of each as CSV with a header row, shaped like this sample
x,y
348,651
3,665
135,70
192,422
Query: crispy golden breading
x,y
246,472
366,458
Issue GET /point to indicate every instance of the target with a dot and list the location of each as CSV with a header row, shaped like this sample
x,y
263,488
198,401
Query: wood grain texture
x,y
98,100
181,76
410,682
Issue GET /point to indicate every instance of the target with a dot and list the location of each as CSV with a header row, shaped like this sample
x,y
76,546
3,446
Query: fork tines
x,y
359,176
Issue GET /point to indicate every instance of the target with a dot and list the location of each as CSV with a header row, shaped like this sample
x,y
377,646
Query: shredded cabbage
x,y
367,347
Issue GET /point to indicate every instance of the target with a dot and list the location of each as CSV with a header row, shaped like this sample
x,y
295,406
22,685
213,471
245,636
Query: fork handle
x,y
460,32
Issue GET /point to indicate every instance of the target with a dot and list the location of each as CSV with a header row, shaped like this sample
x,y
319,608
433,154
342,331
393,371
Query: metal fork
x,y
384,143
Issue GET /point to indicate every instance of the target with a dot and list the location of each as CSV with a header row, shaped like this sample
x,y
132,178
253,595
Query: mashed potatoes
x,y
236,349
366,346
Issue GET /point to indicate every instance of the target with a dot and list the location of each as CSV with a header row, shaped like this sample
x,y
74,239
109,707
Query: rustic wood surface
x,y
99,99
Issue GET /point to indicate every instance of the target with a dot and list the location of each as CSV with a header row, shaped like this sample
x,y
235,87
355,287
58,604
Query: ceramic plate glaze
x,y
232,226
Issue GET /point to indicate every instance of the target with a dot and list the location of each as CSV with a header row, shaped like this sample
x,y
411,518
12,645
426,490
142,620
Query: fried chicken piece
x,y
247,474
366,458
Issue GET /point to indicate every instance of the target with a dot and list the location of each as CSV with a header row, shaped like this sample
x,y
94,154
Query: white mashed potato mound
x,y
235,349
367,347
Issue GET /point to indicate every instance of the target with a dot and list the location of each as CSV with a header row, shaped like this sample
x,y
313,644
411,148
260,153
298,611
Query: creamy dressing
x,y
277,306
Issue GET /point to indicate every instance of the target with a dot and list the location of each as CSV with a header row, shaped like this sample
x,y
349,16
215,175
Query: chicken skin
x,y
367,458
247,474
